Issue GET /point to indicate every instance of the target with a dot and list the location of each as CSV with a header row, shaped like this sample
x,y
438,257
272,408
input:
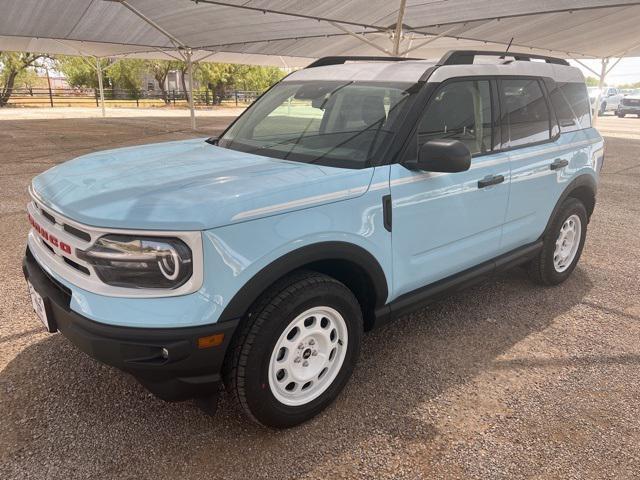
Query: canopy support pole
x,y
603,73
359,37
587,67
397,36
180,45
138,13
427,42
100,85
190,71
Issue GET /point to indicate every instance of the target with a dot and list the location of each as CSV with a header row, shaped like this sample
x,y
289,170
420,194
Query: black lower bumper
x,y
628,110
187,371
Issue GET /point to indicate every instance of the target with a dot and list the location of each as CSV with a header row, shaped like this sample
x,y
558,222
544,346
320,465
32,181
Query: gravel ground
x,y
505,380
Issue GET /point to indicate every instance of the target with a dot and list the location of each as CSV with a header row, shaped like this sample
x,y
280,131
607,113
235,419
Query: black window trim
x,y
432,89
496,113
552,112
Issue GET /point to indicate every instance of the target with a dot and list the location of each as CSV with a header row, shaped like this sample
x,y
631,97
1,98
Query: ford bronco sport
x,y
351,192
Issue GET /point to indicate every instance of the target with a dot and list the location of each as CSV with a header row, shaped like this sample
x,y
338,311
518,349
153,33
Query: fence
x,y
118,97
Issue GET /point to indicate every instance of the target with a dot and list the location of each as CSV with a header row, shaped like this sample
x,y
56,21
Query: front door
x,y
444,223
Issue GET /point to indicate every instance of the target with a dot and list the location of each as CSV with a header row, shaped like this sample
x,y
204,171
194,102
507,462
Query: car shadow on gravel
x,y
65,415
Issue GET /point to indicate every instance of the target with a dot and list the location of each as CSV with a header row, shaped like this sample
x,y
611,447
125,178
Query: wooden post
x,y
49,83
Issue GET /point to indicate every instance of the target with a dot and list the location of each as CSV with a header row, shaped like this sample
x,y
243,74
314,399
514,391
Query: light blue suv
x,y
353,191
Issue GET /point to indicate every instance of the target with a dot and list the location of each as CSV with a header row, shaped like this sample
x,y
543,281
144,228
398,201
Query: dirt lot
x,y
505,380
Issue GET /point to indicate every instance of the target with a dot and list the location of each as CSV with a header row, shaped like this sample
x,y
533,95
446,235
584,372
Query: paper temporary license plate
x,y
39,306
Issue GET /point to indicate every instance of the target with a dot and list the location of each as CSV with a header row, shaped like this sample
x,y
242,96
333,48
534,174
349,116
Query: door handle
x,y
558,163
490,180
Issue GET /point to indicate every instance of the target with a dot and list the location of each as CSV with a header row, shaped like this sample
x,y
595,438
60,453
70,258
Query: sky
x,y
627,71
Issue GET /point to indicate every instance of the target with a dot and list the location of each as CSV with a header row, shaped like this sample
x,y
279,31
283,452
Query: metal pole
x,y
99,69
603,74
190,70
397,37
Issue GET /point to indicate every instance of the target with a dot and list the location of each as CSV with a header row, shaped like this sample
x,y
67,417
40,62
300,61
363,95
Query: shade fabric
x,y
293,32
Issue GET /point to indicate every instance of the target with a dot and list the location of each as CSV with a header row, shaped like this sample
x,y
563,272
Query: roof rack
x,y
466,57
324,61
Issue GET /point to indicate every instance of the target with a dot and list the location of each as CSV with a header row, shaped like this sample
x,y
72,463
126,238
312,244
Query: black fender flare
x,y
296,259
582,181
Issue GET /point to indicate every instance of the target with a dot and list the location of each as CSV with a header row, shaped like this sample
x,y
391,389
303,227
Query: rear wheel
x,y
620,115
603,108
562,245
296,351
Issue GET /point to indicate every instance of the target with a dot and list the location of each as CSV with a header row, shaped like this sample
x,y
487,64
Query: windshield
x,y
342,124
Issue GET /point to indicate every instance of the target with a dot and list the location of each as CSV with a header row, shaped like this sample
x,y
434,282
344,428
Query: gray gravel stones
x,y
505,380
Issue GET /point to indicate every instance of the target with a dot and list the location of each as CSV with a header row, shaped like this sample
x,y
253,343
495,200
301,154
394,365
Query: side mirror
x,y
442,155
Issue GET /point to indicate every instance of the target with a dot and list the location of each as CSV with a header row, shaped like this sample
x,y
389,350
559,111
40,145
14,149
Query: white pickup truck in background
x,y
609,100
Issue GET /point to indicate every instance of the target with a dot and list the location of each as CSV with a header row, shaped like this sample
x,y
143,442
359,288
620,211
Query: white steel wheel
x,y
567,243
308,356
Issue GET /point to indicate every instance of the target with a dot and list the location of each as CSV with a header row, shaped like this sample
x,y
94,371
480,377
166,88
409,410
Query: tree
x,y
127,73
592,81
80,72
221,76
12,65
160,69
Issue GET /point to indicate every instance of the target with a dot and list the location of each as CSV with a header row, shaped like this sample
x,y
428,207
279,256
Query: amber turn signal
x,y
210,340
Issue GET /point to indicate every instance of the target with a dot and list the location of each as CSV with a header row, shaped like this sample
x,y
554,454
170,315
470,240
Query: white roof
x,y
291,33
404,71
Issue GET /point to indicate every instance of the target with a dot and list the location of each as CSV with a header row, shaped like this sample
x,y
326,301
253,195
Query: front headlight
x,y
140,262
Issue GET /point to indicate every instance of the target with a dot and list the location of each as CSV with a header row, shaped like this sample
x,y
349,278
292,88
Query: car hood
x,y
188,185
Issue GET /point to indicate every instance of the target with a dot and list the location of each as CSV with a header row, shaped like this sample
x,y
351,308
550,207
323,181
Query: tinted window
x,y
461,111
342,124
525,114
571,103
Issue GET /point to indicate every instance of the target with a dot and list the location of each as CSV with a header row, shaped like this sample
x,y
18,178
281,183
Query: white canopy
x,y
291,33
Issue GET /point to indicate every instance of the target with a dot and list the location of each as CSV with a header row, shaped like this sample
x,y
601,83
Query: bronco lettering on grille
x,y
49,237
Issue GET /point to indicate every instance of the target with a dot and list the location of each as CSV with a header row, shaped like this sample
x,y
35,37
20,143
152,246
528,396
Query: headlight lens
x,y
140,262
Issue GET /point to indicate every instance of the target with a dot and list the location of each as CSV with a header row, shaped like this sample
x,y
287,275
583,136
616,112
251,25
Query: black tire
x,y
620,115
542,270
602,110
247,370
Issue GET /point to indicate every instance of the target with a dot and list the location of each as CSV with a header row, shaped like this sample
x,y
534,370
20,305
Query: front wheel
x,y
620,114
296,351
562,245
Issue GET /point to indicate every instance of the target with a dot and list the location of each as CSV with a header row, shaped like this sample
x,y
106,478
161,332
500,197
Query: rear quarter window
x,y
571,103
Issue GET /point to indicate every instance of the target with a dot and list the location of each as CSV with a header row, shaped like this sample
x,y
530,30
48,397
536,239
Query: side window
x,y
525,114
571,103
459,110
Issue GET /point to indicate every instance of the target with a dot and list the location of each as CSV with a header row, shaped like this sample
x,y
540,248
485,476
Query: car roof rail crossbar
x,y
466,57
324,61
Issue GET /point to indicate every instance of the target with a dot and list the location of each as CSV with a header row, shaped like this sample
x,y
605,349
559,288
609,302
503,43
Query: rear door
x,y
538,154
444,223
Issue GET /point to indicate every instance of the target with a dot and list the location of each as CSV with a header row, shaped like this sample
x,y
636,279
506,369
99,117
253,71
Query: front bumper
x,y
629,109
187,371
